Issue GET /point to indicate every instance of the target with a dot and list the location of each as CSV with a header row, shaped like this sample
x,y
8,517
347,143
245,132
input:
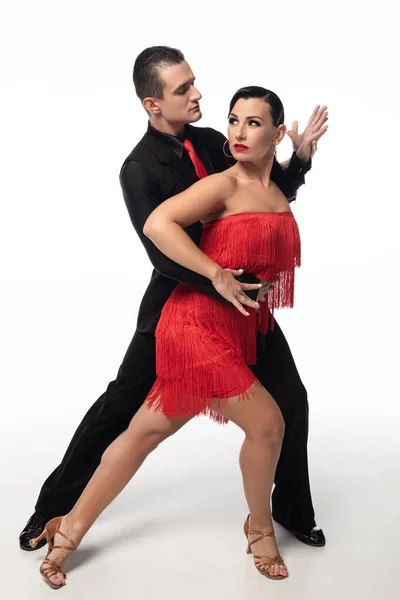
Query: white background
x,y
73,273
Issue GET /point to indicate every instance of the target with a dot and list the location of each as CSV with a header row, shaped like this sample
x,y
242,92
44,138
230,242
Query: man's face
x,y
181,98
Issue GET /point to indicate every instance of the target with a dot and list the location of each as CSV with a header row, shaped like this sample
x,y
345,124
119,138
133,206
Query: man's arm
x,y
142,196
290,177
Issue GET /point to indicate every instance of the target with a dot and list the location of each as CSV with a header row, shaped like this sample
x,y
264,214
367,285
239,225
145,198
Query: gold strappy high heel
x,y
263,563
52,568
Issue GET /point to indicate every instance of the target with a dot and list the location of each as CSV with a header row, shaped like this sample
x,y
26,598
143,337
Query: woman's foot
x,y
262,544
63,539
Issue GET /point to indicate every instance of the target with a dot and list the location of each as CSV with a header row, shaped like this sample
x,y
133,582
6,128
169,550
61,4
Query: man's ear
x,y
151,105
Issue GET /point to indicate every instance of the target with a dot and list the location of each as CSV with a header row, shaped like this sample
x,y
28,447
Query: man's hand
x,y
265,287
305,144
232,289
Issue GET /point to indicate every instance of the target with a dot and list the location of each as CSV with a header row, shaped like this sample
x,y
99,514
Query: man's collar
x,y
174,142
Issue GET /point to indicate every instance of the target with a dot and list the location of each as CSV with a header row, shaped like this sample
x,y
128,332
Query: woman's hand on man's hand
x,y
233,290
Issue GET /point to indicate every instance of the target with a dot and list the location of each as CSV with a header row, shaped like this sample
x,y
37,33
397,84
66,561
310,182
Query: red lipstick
x,y
240,147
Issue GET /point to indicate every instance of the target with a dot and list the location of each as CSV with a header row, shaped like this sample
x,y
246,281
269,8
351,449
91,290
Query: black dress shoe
x,y
32,529
314,537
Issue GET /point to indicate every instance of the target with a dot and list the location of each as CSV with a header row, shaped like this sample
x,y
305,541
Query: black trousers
x,y
113,411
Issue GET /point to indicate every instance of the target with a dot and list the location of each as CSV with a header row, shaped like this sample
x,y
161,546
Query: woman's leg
x,y
263,425
119,463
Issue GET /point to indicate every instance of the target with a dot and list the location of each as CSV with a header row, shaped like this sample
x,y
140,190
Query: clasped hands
x,y
231,289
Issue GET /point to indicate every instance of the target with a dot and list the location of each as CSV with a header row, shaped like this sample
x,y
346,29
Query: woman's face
x,y
251,133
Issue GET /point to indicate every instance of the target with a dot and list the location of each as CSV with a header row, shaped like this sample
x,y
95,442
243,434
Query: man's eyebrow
x,y
251,117
185,84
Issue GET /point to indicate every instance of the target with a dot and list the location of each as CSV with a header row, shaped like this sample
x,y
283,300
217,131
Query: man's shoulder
x,y
142,154
139,151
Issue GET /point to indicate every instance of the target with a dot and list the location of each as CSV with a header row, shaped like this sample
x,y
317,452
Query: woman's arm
x,y
164,227
165,224
142,194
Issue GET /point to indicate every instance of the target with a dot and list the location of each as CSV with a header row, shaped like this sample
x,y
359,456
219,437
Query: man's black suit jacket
x,y
152,173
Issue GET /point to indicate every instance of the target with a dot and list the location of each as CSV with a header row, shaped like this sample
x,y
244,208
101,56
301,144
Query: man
x,y
171,156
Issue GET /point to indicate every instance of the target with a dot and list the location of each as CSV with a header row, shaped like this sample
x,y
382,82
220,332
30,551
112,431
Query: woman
x,y
204,347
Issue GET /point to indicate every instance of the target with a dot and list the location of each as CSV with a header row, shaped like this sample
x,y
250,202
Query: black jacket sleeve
x,y
290,178
142,195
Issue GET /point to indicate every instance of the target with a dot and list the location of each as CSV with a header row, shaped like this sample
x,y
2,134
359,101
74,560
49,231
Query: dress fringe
x,y
203,346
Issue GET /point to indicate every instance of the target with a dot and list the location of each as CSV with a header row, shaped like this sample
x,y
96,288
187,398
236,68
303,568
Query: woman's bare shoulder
x,y
219,183
230,176
227,179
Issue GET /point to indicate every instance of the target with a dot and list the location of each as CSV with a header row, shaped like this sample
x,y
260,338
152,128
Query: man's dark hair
x,y
254,91
146,71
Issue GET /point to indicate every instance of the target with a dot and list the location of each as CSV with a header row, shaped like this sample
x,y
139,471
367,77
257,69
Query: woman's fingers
x,y
265,287
313,115
232,289
243,299
240,308
319,115
249,286
244,286
318,134
318,124
235,272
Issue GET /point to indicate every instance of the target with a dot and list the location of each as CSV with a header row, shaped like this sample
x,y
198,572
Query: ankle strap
x,y
262,533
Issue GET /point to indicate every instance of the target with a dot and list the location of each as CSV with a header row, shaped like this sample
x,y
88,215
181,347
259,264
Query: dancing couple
x,y
214,216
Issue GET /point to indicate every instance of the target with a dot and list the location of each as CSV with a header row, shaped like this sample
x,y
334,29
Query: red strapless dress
x,y
204,346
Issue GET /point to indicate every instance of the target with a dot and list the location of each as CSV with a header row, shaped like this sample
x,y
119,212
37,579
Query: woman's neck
x,y
260,171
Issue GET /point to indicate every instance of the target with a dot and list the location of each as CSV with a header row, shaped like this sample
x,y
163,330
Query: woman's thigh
x,y
148,421
257,415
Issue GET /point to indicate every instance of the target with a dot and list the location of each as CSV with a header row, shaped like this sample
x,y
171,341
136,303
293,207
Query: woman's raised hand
x,y
305,144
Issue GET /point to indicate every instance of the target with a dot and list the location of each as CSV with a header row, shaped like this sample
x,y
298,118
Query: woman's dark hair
x,y
274,102
146,71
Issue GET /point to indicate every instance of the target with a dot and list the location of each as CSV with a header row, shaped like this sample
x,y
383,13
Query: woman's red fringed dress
x,y
203,345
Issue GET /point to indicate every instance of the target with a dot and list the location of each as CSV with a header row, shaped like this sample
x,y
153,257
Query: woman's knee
x,y
156,428
267,431
151,437
137,439
151,427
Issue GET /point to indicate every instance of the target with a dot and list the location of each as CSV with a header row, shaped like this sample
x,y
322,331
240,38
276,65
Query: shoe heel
x,y
246,533
34,542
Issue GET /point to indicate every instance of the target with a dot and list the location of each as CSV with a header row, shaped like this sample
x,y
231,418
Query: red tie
x,y
198,165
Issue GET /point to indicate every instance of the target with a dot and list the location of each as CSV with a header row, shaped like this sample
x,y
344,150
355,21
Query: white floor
x,y
176,531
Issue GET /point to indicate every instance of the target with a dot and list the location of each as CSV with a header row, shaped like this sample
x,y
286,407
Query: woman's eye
x,y
232,121
255,122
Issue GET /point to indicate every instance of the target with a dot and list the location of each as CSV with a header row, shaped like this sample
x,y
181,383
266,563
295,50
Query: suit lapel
x,y
167,157
204,156
211,155
182,170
